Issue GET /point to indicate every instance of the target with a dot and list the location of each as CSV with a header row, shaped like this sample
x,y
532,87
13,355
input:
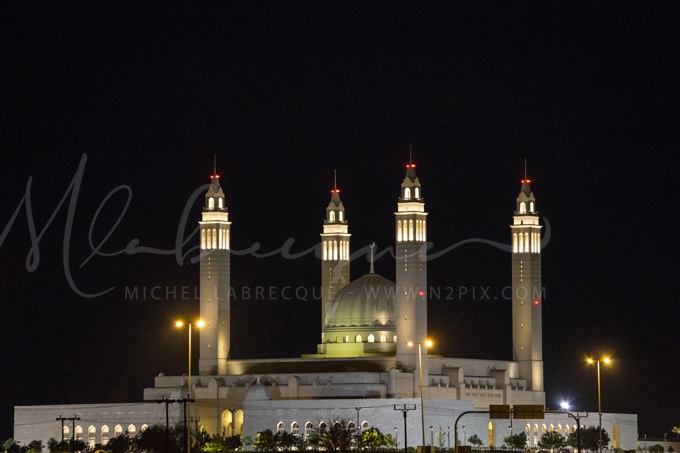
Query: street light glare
x,y
564,405
607,360
179,323
428,343
200,323
409,344
589,360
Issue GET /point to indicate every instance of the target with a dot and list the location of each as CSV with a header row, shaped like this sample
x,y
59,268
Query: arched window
x,y
615,436
208,239
214,238
350,425
417,193
66,432
398,230
531,207
211,203
118,430
131,431
526,242
220,203
308,429
324,249
331,216
295,429
346,338
203,239
410,230
335,250
91,436
79,432
358,339
521,243
383,339
515,248
407,193
394,339
491,439
364,425
238,424
145,427
371,338
220,239
340,216
105,435
522,208
280,427
322,426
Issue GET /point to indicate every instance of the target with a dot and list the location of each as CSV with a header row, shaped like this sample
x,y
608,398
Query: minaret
x,y
215,281
526,288
334,254
411,272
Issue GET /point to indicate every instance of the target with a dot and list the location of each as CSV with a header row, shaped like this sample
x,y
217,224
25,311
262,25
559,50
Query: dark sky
x,y
127,105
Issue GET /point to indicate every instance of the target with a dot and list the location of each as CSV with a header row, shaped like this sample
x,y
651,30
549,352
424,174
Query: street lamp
x,y
427,343
606,361
198,324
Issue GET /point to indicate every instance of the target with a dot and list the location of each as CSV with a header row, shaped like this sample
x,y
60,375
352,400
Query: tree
x,y
337,438
284,440
676,430
119,444
155,439
590,438
656,448
52,445
551,440
11,446
475,440
264,441
35,446
516,440
372,439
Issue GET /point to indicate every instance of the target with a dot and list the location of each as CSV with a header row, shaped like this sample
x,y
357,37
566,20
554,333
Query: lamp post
x,y
198,324
396,436
605,360
427,343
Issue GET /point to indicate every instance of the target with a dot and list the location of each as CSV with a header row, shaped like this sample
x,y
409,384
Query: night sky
x,y
118,110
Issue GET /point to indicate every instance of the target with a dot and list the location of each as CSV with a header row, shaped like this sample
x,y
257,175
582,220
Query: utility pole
x,y
404,409
62,418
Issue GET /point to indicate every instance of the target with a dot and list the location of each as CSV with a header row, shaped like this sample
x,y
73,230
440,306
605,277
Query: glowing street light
x,y
181,324
606,361
427,344
564,405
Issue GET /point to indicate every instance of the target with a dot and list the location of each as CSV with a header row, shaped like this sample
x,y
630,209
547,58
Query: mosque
x,y
371,366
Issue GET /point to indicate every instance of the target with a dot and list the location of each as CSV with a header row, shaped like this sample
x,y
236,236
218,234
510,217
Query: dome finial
x,y
372,246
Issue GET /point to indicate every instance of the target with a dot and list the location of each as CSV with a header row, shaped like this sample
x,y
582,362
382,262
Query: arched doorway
x,y
232,423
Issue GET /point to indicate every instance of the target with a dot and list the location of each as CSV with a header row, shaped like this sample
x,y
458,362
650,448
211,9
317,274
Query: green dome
x,y
367,301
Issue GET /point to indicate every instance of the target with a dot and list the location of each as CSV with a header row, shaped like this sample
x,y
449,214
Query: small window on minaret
x,y
522,208
417,193
211,203
531,207
220,203
407,193
340,216
331,216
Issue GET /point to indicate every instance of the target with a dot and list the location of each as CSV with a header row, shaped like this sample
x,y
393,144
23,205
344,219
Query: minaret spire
x,y
527,290
410,152
372,246
334,255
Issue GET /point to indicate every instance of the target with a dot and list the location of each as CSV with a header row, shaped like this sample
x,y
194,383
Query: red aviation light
x,y
421,293
335,190
411,165
528,181
536,301
214,176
